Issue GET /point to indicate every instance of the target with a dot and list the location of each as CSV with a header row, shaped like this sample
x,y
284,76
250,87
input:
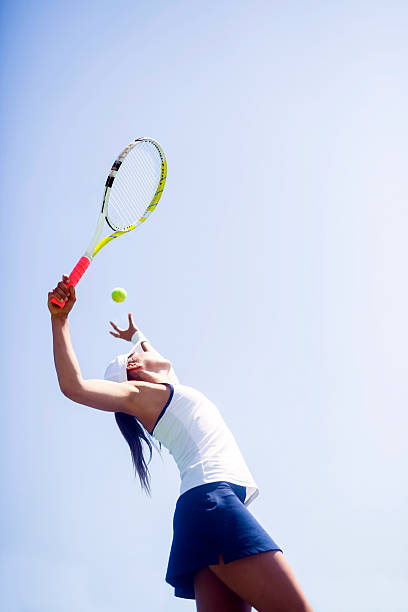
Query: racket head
x,y
135,184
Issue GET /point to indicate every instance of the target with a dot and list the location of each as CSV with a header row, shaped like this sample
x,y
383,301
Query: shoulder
x,y
147,400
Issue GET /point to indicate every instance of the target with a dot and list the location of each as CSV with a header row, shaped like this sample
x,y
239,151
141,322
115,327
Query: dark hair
x,y
134,434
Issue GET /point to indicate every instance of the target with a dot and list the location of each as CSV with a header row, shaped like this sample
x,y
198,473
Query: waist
x,y
214,469
201,490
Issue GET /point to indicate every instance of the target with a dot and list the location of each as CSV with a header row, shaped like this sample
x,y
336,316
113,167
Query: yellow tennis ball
x,y
119,294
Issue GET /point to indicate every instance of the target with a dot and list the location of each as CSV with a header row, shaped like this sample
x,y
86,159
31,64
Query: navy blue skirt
x,y
210,520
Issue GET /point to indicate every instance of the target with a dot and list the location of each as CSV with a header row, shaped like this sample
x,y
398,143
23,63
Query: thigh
x,y
265,580
213,595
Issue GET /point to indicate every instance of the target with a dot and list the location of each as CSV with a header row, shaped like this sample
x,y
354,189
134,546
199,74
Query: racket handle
x,y
79,270
75,276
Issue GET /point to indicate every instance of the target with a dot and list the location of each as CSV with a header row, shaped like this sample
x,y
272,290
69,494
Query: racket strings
x,y
125,188
135,185
133,189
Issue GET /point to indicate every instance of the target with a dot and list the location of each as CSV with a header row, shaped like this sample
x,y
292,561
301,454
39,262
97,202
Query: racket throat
x,y
90,252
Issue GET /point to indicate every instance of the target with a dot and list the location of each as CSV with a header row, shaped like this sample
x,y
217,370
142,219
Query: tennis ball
x,y
119,294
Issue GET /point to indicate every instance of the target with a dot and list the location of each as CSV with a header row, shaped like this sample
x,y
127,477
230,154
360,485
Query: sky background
x,y
273,274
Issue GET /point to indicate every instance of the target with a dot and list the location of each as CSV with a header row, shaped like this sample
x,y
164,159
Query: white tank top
x,y
193,430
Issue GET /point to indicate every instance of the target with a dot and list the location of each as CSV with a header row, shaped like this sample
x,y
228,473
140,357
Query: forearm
x,y
66,363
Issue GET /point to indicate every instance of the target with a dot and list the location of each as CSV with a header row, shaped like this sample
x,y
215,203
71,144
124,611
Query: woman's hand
x,y
62,292
125,334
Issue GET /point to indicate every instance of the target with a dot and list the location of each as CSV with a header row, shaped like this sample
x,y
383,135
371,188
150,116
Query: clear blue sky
x,y
273,274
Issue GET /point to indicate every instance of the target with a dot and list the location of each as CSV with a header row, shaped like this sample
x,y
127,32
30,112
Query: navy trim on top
x,y
166,405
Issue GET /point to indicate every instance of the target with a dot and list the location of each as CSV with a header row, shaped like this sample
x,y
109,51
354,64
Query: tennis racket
x,y
132,191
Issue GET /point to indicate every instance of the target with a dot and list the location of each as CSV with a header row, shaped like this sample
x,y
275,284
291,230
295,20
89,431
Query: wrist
x,y
59,319
138,337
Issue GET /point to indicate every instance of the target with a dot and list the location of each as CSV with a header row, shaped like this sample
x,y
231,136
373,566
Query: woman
x,y
220,555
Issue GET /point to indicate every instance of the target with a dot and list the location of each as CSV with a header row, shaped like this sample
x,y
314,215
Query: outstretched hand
x,y
125,334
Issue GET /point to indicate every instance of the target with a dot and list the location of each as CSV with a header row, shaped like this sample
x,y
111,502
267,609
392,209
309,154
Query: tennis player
x,y
220,555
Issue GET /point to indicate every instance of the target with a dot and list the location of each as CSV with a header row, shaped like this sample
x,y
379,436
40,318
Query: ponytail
x,y
134,434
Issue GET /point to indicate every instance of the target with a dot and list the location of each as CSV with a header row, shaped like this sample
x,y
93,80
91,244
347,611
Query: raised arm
x,y
136,398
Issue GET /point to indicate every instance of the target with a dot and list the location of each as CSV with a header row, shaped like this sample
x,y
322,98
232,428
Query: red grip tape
x,y
75,276
79,270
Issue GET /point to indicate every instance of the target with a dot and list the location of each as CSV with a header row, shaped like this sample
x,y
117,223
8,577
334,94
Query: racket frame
x,y
96,245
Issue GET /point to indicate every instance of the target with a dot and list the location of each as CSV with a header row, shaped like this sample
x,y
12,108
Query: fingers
x,y
51,295
114,335
132,325
72,295
62,291
115,327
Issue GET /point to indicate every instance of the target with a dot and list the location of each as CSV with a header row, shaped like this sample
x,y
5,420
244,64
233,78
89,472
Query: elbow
x,y
68,392
71,389
65,390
